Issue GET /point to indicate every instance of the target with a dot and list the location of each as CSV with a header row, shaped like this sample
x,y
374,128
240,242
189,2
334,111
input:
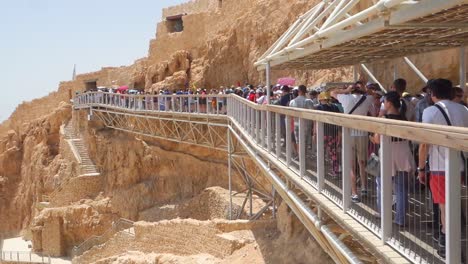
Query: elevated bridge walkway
x,y
310,173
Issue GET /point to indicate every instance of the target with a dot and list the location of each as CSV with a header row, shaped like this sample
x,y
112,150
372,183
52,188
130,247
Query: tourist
x,y
260,96
356,102
458,96
422,104
331,134
399,86
202,100
286,97
443,112
402,160
313,95
300,102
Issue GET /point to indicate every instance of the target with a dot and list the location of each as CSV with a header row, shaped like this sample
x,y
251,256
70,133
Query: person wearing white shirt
x,y
356,102
441,92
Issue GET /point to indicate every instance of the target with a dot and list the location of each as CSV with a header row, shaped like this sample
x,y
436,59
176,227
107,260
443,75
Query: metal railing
x,y
121,225
331,152
24,257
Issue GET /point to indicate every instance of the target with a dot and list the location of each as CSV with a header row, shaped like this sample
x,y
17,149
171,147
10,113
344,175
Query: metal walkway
x,y
301,178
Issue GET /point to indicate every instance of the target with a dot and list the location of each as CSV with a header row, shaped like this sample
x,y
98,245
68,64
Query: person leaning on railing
x,y
443,112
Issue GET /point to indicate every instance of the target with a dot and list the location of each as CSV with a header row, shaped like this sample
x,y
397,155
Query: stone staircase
x,y
87,167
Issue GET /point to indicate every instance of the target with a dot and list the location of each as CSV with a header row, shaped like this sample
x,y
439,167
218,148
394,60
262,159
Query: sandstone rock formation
x,y
29,159
144,177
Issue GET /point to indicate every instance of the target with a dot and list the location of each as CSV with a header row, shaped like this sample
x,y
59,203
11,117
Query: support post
x,y
263,133
268,113
268,84
369,73
386,187
395,70
452,206
229,172
278,135
302,147
346,158
288,141
320,156
416,70
257,126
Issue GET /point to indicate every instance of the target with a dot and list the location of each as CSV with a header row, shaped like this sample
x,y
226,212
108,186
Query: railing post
x,y
278,135
302,146
288,141
257,126
269,139
452,206
229,172
263,123
346,152
320,156
385,187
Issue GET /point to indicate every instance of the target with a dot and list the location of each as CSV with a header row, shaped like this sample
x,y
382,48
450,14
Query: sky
x,y
41,40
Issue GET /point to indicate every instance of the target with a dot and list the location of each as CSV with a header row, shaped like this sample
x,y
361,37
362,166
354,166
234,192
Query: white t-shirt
x,y
348,101
458,115
300,102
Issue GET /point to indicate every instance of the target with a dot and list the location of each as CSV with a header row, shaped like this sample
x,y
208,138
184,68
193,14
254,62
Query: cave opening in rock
x,y
91,85
220,3
175,23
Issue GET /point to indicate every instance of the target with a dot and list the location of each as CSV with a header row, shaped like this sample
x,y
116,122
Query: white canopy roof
x,y
331,35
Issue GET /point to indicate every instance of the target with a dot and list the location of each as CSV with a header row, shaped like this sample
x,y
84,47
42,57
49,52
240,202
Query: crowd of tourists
x,y
439,102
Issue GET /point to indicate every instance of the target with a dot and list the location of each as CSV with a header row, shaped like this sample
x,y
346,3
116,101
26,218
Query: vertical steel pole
x,y
278,135
264,128
257,126
288,141
320,156
386,187
229,172
268,113
452,206
268,84
302,146
346,157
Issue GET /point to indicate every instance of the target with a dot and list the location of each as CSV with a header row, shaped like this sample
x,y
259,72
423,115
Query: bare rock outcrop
x,y
171,74
29,159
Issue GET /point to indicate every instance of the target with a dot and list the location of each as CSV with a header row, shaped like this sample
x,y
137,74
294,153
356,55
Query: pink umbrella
x,y
122,88
287,81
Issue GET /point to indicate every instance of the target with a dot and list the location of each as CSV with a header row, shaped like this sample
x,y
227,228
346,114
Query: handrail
x,y
251,120
121,224
19,257
447,136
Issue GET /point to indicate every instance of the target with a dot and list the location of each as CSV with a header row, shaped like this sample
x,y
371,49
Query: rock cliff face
x,y
29,160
